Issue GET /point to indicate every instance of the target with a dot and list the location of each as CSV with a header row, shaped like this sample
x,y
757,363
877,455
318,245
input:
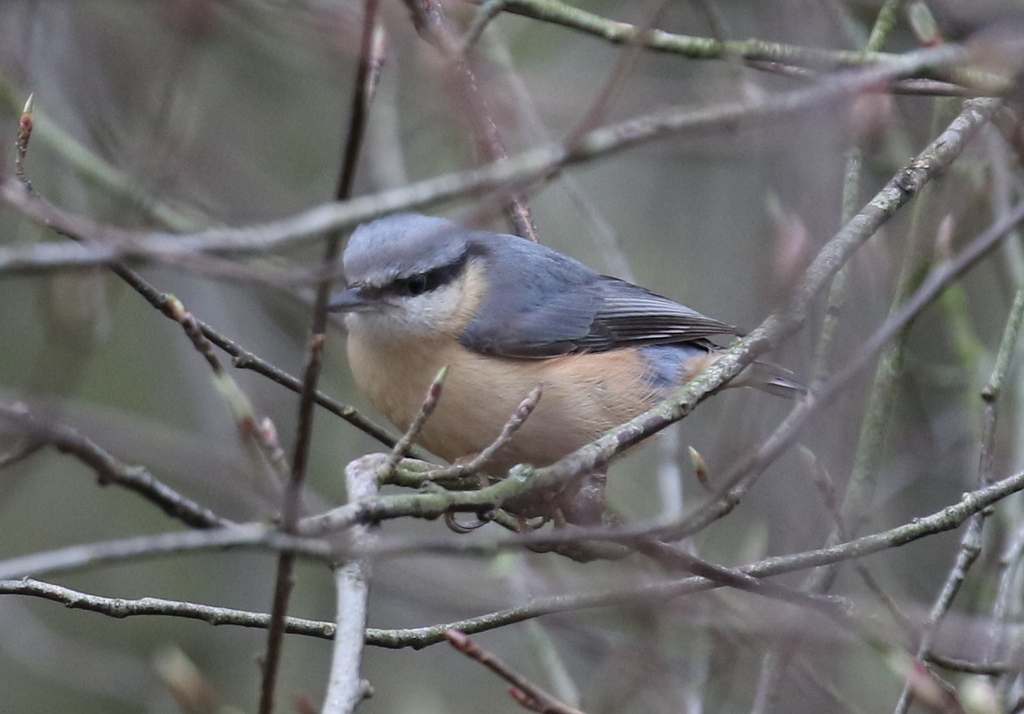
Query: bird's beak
x,y
351,300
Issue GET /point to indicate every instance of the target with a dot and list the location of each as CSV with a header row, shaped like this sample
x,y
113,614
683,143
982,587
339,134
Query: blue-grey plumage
x,y
507,315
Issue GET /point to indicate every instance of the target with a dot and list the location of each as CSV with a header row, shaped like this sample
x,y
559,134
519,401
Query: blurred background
x,y
180,114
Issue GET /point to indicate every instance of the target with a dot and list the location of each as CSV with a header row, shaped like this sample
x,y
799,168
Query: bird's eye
x,y
417,284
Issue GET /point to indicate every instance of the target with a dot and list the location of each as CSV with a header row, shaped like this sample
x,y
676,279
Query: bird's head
x,y
409,275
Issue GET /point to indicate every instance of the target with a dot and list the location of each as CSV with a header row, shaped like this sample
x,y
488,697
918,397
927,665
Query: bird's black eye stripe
x,y
422,283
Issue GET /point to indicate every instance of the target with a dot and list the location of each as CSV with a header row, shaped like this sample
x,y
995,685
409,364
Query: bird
x,y
506,315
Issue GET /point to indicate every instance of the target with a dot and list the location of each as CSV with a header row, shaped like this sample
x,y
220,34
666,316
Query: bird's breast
x,y
582,396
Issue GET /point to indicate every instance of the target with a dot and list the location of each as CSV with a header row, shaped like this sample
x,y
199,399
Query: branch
x,y
473,466
533,165
433,24
971,541
416,638
96,171
152,606
430,402
259,433
947,519
77,228
352,581
243,359
256,536
367,71
900,189
522,690
693,47
109,470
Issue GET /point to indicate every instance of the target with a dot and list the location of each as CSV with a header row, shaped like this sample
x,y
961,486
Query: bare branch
x,y
535,164
518,418
433,24
900,189
523,690
110,470
253,431
948,518
430,402
693,47
366,73
255,536
152,606
346,687
971,541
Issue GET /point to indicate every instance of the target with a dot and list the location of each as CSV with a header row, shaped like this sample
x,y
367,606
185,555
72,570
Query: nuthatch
x,y
506,315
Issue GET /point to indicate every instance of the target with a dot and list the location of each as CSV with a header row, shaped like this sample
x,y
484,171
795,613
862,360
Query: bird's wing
x,y
549,305
632,316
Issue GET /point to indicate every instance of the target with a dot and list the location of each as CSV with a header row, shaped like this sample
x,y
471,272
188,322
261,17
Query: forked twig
x,y
514,423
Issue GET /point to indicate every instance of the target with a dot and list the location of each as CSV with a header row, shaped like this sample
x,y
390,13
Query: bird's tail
x,y
771,378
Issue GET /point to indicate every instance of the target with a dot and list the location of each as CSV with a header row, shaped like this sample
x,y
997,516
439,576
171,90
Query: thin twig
x,y
119,608
252,430
366,71
532,165
79,229
522,690
432,22
875,426
673,558
20,452
518,418
900,189
910,87
971,542
430,402
109,470
690,46
624,66
1009,124
884,23
96,171
243,359
822,580
488,10
837,290
1008,586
